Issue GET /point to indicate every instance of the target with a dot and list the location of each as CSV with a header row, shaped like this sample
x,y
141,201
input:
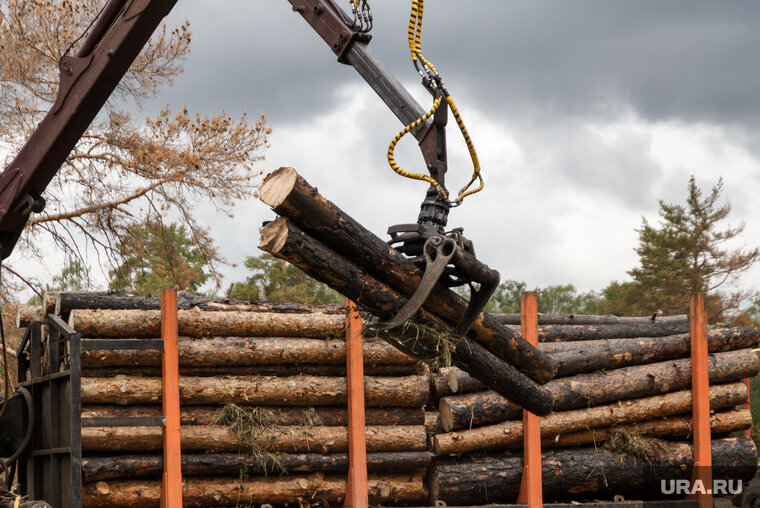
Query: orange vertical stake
x,y
700,386
357,495
171,495
530,487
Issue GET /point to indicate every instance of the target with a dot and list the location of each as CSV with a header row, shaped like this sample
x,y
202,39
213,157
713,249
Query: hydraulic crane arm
x,y
87,81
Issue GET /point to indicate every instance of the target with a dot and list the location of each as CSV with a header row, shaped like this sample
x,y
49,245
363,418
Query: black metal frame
x,y
51,466
49,367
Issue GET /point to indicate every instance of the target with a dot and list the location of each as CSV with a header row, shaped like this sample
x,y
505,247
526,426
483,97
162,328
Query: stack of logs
x,y
619,379
283,366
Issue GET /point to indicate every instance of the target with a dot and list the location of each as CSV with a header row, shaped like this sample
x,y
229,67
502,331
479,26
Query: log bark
x,y
585,319
256,370
227,464
25,314
281,416
461,382
220,491
676,426
591,356
409,391
583,390
561,333
291,196
247,351
284,240
219,439
510,434
433,423
584,473
63,302
197,323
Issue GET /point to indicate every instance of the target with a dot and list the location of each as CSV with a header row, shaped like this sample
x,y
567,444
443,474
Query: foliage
x,y
687,253
122,171
559,299
277,280
157,257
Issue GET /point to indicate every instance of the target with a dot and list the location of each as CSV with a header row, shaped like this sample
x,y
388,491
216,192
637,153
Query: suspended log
x,y
197,323
219,439
591,356
284,240
244,351
584,473
283,416
583,390
292,197
66,301
461,382
409,391
25,314
510,434
226,464
674,426
584,319
256,370
277,490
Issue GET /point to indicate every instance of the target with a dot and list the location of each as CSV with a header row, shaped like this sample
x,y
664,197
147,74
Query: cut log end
x,y
277,185
274,236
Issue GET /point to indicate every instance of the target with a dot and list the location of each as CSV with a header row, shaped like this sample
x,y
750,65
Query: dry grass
x,y
647,449
246,423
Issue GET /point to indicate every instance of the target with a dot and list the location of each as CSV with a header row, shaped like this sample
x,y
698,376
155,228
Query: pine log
x,y
433,423
25,314
49,302
409,391
284,240
246,351
510,434
461,382
219,439
256,370
197,323
439,387
583,390
561,333
226,464
591,356
66,301
292,197
584,473
585,319
675,426
282,416
274,490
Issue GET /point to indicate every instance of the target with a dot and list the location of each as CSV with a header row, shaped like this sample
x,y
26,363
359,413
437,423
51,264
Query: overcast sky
x,y
584,114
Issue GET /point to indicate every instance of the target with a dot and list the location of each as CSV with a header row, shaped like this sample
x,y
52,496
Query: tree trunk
x,y
246,351
310,416
284,240
25,314
276,490
583,319
583,390
439,387
509,434
433,423
219,439
675,426
410,391
256,370
196,323
584,473
292,197
227,464
591,356
66,301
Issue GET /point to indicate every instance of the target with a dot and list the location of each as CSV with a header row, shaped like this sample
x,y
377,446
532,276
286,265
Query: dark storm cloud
x,y
690,60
